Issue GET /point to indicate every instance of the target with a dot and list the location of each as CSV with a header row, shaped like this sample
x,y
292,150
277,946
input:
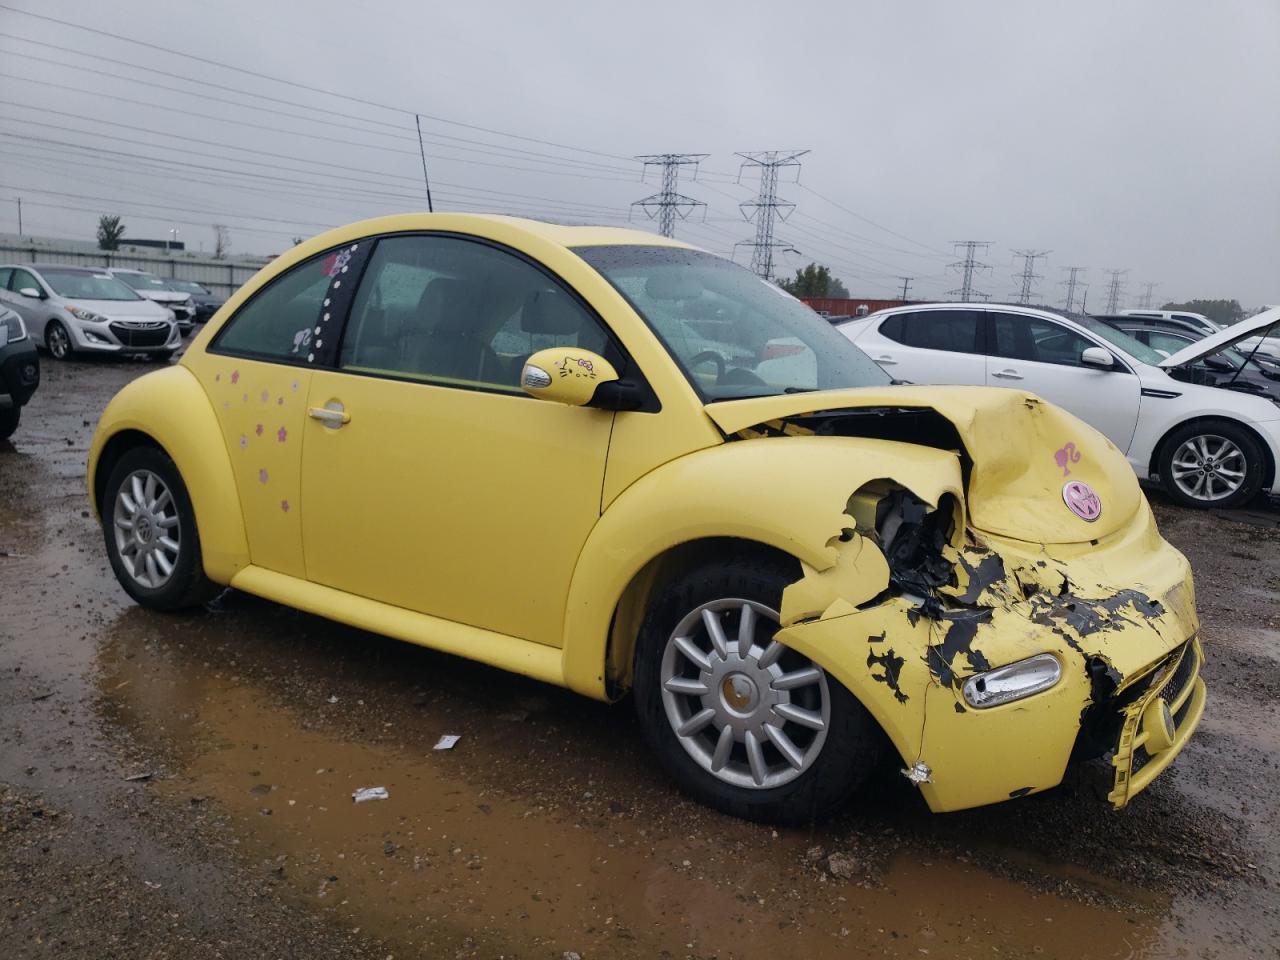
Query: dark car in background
x,y
19,370
1231,369
206,301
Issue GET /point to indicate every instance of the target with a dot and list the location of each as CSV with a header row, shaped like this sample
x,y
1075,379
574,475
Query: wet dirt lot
x,y
548,829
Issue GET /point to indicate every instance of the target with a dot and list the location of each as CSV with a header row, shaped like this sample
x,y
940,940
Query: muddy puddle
x,y
452,857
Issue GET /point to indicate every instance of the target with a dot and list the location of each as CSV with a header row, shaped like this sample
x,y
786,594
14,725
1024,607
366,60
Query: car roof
x,y
960,305
39,267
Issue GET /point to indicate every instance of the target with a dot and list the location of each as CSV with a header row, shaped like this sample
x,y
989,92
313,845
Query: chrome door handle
x,y
1008,375
886,360
332,414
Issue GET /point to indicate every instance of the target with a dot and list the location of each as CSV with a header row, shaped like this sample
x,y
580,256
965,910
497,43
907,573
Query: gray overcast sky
x,y
1141,135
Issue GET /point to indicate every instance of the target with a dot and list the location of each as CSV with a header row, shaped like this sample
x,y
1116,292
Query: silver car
x,y
79,310
162,292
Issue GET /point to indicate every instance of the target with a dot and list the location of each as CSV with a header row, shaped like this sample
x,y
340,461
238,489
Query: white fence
x,y
222,277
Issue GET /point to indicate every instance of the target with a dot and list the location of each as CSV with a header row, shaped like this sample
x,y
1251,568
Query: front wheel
x,y
1214,463
743,723
150,531
58,340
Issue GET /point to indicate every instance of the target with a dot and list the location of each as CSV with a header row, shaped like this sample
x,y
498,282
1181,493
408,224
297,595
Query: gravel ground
x,y
548,828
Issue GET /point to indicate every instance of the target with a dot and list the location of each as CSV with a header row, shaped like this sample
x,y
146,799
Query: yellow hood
x,y
1024,451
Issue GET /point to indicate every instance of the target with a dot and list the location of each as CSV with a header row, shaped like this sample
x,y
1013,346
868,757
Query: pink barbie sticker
x,y
1067,454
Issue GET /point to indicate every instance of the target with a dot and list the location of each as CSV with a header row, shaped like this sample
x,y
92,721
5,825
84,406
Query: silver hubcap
x,y
58,343
747,709
1208,467
148,536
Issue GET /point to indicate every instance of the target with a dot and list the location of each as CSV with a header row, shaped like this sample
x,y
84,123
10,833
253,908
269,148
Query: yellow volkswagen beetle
x,y
618,463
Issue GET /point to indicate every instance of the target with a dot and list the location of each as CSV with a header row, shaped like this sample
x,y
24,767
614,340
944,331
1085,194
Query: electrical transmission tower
x,y
1071,283
967,267
1115,289
1028,276
906,285
668,203
766,207
1149,289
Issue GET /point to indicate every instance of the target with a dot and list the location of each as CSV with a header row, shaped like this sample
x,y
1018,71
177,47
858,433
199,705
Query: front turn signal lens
x,y
1013,682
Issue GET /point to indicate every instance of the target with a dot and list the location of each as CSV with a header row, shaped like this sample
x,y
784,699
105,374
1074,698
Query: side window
x,y
1165,343
5,274
276,324
955,331
1034,338
23,279
459,312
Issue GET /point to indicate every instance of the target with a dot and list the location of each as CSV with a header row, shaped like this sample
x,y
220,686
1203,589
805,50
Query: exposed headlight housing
x,y
80,313
12,329
1013,682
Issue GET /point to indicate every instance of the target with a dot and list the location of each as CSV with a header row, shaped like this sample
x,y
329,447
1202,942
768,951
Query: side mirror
x,y
1218,363
566,375
32,293
1098,357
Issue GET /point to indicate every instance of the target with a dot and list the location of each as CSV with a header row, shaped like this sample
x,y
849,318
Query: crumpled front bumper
x,y
1118,614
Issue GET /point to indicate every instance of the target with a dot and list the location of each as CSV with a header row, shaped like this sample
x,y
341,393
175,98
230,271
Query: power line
x,y
668,203
967,266
1072,281
1148,291
867,220
1028,276
906,285
1115,289
169,50
766,208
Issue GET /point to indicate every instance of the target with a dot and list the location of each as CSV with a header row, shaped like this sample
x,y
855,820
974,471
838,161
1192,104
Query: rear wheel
x,y
57,340
1215,463
743,723
150,531
9,418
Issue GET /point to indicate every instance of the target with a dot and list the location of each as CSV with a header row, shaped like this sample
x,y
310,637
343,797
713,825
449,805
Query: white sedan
x,y
1208,446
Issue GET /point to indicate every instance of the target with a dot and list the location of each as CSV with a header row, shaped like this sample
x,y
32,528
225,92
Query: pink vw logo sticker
x,y
1081,500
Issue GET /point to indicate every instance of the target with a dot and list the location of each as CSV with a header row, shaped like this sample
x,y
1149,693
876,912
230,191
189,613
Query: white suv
x,y
1210,447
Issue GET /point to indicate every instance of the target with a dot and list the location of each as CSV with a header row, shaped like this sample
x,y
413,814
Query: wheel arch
x,y
1268,457
168,410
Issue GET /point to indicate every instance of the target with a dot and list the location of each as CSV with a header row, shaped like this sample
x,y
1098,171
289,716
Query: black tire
x,y
57,341
848,754
9,417
186,586
1213,432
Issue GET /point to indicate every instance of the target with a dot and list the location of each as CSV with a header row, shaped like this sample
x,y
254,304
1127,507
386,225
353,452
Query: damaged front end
x,y
992,661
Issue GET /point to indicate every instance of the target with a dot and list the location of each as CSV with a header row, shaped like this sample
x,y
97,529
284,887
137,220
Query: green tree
x,y
110,230
1220,311
814,280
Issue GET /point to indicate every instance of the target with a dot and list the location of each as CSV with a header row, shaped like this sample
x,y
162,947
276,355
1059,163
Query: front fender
x,y
789,493
171,408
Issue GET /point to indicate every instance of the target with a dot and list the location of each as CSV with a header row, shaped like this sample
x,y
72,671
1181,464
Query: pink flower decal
x,y
282,434
235,376
265,396
262,475
244,442
258,429
284,505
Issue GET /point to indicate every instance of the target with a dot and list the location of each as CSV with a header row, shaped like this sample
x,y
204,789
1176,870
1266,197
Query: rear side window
x,y
954,331
277,323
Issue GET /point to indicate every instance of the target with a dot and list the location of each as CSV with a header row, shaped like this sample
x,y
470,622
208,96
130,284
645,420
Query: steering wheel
x,y
712,356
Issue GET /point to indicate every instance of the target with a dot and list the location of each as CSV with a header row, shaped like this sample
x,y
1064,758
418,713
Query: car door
x,y
34,312
928,346
431,481
1034,353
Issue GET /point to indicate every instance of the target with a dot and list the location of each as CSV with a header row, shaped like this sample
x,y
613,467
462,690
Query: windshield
x,y
733,334
87,286
142,281
1118,338
188,286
